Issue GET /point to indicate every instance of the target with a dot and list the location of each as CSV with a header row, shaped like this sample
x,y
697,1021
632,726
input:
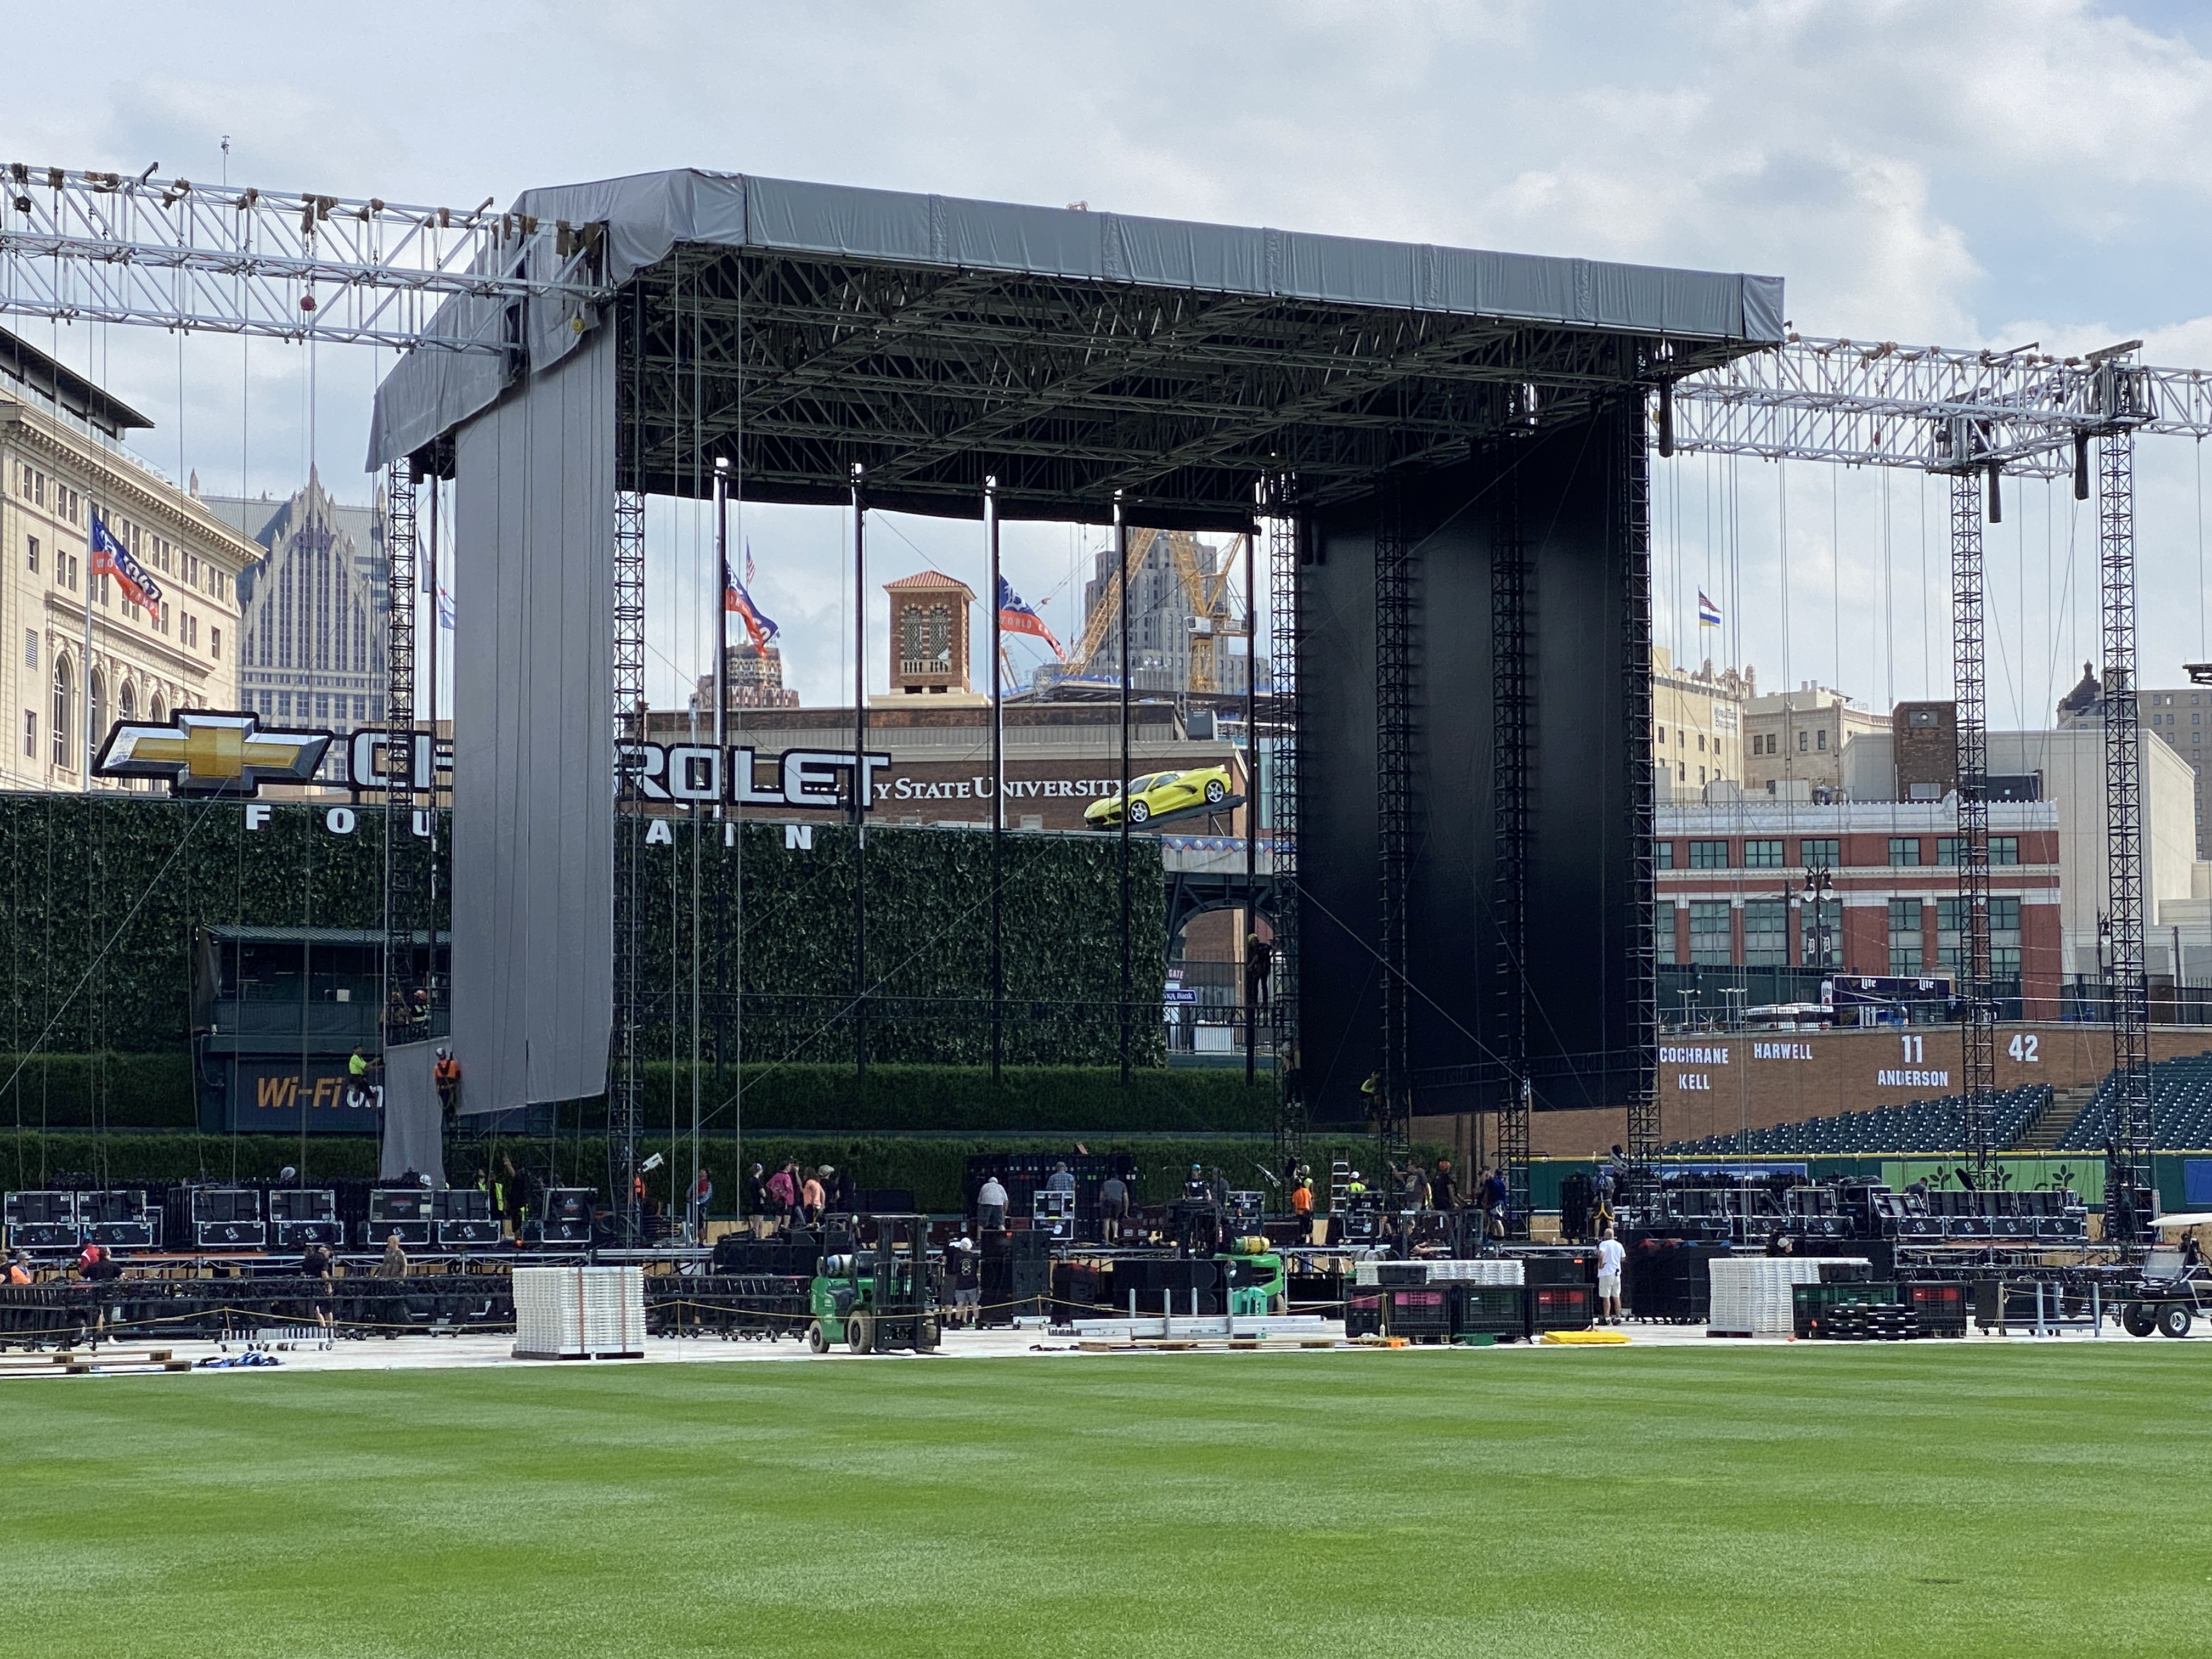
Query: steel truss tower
x,y
1643,976
1508,685
625,1085
401,895
1394,815
1977,1028
2115,535
1285,553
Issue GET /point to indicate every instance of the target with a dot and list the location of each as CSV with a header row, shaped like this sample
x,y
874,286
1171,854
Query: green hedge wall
x,y
790,911
122,1090
101,896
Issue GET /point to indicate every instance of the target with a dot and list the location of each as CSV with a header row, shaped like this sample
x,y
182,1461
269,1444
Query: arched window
x,y
158,714
64,705
126,703
96,708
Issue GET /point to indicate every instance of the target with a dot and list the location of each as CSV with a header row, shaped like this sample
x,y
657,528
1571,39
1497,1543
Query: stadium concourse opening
x,y
1444,450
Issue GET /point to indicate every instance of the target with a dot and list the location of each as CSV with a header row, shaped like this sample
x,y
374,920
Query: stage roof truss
x,y
1929,408
91,247
1070,390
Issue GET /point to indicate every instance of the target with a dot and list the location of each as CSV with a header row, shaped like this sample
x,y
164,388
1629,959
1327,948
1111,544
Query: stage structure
x,y
1975,416
873,350
1365,401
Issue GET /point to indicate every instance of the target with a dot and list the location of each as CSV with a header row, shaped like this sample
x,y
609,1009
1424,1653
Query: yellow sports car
x,y
1161,794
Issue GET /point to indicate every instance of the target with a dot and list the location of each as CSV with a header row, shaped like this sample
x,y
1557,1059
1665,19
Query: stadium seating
x,y
2181,1108
1918,1125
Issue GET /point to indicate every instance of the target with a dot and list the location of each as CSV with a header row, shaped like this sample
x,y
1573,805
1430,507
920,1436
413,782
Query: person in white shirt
x,y
1610,1255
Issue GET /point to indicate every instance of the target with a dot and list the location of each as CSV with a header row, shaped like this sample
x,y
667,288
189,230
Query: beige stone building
x,y
66,677
1697,722
1798,737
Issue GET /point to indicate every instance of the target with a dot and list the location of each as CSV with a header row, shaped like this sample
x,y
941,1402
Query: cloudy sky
x,y
1964,173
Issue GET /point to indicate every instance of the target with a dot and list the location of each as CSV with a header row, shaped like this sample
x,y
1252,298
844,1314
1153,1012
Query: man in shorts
x,y
963,1275
1610,1256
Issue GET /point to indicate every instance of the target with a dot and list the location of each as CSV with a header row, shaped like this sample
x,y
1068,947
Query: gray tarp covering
x,y
533,836
431,392
413,1137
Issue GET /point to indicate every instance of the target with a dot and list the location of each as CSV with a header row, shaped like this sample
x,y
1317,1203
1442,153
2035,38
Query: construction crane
x,y
1206,614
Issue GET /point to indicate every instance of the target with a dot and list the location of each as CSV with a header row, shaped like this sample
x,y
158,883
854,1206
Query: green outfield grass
x,y
1885,1501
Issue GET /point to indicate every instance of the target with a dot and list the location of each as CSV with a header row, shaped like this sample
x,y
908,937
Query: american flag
x,y
110,558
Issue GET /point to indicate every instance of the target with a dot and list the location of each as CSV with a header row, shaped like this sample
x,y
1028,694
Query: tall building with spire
x,y
313,606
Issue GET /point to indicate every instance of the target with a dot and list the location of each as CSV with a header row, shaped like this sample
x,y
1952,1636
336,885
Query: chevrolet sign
x,y
204,751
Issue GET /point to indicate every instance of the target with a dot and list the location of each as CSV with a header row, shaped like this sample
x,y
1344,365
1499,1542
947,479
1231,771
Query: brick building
x,y
1732,879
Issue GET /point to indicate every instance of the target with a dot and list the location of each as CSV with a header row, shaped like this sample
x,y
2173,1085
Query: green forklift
x,y
878,1295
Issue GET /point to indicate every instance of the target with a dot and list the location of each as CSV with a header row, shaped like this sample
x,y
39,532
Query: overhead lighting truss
x,y
1861,403
90,246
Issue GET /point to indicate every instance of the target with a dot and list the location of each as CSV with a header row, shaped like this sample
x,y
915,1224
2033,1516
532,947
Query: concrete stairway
x,y
2042,1135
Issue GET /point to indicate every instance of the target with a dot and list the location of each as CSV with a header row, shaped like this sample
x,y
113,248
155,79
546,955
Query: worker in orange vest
x,y
446,1074
1302,1205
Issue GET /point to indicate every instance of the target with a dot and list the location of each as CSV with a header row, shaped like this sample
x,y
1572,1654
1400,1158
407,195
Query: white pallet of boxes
x,y
1751,1293
579,1313
1483,1270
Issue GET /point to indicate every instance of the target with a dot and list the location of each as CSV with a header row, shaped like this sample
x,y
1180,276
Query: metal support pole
x,y
998,787
1509,689
1121,587
1970,686
2131,1104
860,795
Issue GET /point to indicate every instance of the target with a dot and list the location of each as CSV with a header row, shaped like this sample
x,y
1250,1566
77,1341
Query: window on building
x,y
284,705
1709,855
1681,772
1762,855
1766,932
1905,937
2004,849
96,706
1820,925
1701,743
156,712
1821,738
1904,850
1662,933
63,684
31,552
1662,855
1711,944
30,734
1801,737
1663,734
1821,852
30,647
1701,775
126,703
215,643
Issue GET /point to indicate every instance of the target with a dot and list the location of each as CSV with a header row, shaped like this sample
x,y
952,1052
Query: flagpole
x,y
91,567
998,785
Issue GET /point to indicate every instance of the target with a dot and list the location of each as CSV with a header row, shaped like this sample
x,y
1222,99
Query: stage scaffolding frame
x,y
1509,702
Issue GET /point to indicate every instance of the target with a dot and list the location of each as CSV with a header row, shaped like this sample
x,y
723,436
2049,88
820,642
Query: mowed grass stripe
x,y
1929,1498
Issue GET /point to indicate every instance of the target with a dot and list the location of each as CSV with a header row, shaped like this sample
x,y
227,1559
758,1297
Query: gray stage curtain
x,y
533,752
413,1137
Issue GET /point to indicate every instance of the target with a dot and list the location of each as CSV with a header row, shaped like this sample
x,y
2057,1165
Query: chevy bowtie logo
x,y
206,752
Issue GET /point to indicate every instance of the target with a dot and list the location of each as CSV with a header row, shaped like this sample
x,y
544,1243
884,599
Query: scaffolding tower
x,y
1285,553
1509,690
1394,800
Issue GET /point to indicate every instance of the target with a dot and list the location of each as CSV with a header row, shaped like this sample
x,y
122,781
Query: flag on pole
x,y
749,562
445,607
1016,618
1709,614
760,627
110,558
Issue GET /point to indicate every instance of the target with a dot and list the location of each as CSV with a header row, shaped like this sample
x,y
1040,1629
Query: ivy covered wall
x,y
787,913
101,897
